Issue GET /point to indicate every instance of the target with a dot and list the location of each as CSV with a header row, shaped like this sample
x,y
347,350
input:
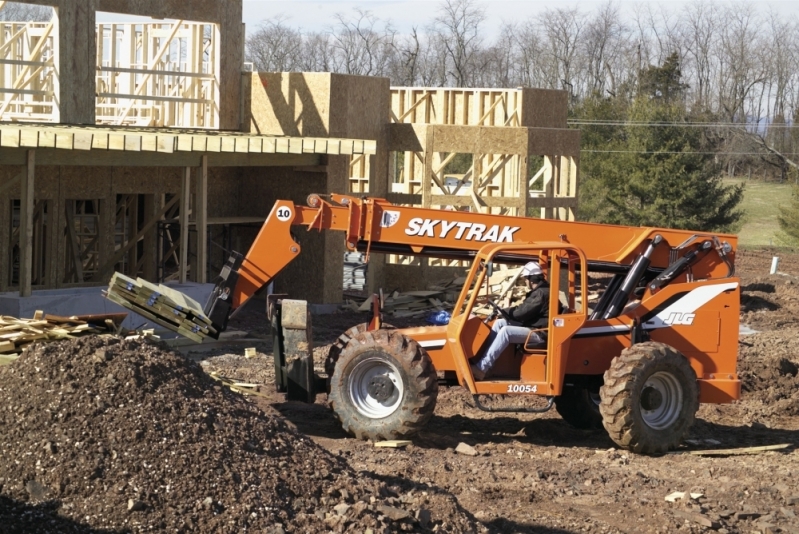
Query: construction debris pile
x,y
17,334
122,435
162,305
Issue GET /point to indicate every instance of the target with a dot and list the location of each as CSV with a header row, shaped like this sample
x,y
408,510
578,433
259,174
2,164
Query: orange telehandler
x,y
661,338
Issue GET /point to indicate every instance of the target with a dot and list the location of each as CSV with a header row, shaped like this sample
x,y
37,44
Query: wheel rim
x,y
375,387
661,400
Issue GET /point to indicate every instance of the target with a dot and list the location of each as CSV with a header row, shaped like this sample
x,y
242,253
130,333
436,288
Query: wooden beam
x,y
26,227
185,197
201,210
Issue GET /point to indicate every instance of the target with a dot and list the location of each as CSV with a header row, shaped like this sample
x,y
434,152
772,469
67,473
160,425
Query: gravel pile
x,y
101,434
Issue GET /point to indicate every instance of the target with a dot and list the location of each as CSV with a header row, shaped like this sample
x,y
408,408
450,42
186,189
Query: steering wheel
x,y
499,310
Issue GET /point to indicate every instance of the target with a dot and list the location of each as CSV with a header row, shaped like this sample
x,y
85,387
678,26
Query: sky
x,y
319,15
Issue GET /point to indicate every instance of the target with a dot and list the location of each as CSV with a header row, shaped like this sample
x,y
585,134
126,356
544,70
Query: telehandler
x,y
662,337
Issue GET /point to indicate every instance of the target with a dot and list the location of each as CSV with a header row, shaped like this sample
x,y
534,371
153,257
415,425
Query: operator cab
x,y
528,367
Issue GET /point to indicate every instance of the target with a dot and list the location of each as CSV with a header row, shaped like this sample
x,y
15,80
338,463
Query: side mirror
x,y
489,269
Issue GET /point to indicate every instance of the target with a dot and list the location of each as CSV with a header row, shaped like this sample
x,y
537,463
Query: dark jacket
x,y
534,311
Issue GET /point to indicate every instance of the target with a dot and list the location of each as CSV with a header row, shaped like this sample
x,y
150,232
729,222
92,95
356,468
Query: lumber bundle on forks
x,y
164,306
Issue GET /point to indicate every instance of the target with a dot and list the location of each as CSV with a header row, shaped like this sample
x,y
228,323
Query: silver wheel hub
x,y
661,400
375,387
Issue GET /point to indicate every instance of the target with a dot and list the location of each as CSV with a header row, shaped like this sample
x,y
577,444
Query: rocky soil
x,y
105,436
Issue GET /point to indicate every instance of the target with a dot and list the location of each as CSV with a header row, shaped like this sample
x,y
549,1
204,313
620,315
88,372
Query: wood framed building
x,y
143,123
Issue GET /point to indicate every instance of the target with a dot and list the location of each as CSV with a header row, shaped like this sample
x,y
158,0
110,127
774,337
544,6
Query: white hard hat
x,y
531,268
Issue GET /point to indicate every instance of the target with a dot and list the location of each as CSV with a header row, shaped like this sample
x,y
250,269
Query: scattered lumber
x,y
162,305
735,452
17,334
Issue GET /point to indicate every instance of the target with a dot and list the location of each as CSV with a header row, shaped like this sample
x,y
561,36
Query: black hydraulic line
x,y
678,267
520,409
607,296
639,267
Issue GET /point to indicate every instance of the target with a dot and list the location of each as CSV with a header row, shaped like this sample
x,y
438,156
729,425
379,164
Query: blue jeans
x,y
500,337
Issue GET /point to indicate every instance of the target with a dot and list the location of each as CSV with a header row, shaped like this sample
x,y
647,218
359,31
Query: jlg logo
x,y
677,318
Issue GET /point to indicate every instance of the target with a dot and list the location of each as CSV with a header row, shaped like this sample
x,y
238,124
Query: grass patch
x,y
761,206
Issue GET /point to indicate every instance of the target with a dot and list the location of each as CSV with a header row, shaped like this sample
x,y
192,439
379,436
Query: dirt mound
x,y
769,302
768,365
125,435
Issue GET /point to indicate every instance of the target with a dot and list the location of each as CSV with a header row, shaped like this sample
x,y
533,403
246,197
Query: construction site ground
x,y
521,473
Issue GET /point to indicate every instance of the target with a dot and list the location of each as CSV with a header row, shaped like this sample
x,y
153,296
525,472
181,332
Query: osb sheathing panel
x,y
479,139
225,194
544,108
407,137
359,106
551,141
291,103
461,139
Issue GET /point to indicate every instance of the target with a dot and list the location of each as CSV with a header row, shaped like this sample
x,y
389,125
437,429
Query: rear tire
x,y
578,405
649,399
383,386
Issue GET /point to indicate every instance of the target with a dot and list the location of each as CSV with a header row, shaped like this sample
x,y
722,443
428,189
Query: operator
x,y
532,313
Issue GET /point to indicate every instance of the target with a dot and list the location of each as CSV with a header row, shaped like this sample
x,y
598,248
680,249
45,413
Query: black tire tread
x,y
619,416
421,392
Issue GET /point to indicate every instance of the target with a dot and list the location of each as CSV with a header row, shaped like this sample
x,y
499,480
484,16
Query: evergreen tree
x,y
653,171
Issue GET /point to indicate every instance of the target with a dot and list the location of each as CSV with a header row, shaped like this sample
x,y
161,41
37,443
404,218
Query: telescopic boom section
x,y
376,225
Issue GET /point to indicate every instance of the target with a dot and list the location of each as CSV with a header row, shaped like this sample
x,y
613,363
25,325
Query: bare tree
x,y
457,32
275,47
561,30
16,12
360,46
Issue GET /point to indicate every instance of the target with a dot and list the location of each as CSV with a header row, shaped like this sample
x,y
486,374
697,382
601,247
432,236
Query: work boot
x,y
477,373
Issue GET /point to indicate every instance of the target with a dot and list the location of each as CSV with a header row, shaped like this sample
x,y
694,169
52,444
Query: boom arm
x,y
376,225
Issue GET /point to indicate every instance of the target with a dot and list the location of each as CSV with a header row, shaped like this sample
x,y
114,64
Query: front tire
x,y
649,399
383,386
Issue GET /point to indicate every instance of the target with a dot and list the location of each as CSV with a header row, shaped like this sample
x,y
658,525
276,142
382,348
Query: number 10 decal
x,y
283,214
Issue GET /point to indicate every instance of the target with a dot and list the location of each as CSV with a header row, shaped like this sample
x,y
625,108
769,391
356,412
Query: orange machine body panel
x,y
696,312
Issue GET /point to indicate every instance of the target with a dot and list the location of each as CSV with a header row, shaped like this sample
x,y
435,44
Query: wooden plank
x,y
116,141
64,140
166,143
29,138
269,145
133,142
201,207
256,145
295,145
149,143
184,143
46,139
185,197
10,137
214,144
100,141
242,144
282,145
228,143
26,227
199,143
82,141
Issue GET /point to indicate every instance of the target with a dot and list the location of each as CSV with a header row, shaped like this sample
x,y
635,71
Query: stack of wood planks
x,y
502,287
164,306
17,334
